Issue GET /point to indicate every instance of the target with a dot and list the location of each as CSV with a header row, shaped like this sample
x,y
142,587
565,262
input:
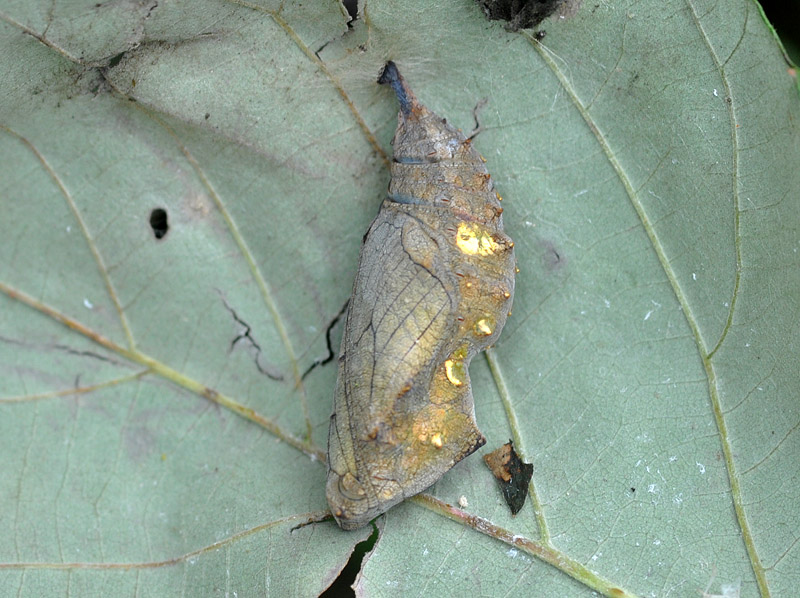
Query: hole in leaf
x,y
158,222
116,60
351,6
341,586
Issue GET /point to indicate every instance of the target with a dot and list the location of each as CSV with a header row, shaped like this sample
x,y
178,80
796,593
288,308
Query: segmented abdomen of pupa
x,y
434,286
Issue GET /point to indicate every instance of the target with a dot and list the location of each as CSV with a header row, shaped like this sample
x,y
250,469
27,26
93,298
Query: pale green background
x,y
648,156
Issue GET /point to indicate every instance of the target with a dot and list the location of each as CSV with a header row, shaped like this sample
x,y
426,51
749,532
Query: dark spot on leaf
x,y
526,14
512,474
554,258
539,35
208,115
158,222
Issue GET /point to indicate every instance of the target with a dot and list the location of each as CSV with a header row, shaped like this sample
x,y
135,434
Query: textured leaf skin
x,y
434,286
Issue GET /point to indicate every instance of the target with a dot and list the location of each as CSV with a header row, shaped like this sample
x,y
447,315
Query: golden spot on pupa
x,y
500,293
473,240
437,441
454,367
484,327
455,371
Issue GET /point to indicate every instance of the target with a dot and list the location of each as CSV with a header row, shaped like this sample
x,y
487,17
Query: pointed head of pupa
x,y
421,135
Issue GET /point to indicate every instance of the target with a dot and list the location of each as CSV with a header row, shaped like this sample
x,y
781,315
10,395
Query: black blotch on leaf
x,y
524,14
513,475
158,222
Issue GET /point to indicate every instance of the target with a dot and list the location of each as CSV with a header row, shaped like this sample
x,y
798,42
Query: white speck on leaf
x,y
88,304
700,467
647,315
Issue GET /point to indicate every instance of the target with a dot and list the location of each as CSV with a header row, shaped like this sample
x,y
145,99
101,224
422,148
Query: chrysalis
x,y
434,286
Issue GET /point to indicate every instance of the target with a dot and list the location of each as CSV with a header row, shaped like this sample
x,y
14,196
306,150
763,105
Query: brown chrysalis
x,y
434,286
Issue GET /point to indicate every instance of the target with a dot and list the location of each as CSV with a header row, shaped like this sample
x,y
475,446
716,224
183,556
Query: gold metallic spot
x,y
473,240
455,371
436,440
484,327
506,294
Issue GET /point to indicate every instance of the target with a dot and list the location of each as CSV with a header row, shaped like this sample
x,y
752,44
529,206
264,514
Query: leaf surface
x,y
157,436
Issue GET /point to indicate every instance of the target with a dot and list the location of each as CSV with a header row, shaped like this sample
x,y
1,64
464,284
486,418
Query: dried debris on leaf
x,y
512,474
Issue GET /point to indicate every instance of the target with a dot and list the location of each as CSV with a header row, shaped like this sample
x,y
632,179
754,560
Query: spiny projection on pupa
x,y
434,285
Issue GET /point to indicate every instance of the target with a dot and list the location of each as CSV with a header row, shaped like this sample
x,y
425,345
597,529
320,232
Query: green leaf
x,y
157,438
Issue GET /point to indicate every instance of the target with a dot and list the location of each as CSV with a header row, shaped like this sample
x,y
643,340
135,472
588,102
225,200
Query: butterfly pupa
x,y
434,286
